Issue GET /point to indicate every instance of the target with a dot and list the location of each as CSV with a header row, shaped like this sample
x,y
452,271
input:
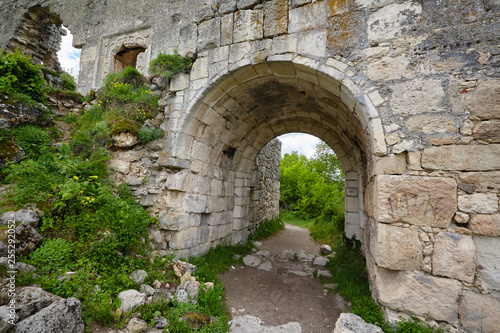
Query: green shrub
x,y
267,228
415,325
68,81
147,134
53,255
19,75
31,138
131,76
168,65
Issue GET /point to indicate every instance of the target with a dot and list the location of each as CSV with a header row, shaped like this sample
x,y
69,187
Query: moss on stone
x,y
125,125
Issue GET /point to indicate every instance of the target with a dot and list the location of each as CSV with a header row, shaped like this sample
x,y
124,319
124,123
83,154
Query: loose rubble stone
x,y
138,276
130,299
251,261
265,266
325,249
351,323
27,238
24,215
136,325
320,261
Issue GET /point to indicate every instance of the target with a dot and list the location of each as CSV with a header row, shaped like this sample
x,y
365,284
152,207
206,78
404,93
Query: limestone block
x,y
454,256
173,221
239,51
120,166
227,6
336,7
391,165
488,131
309,17
485,225
199,69
296,3
245,4
187,39
396,248
389,68
479,157
194,203
284,44
488,262
484,101
248,25
422,201
312,43
417,96
419,293
185,239
392,21
208,35
345,31
130,299
431,124
226,25
275,17
480,313
478,203
177,181
179,82
373,3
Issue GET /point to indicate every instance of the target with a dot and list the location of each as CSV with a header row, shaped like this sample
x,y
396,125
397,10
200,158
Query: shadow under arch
x,y
243,108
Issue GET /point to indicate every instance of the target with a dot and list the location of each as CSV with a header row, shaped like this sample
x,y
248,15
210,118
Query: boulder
x,y
27,216
351,323
30,300
15,113
130,299
8,318
64,316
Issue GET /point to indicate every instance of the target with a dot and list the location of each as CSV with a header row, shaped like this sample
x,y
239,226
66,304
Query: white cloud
x,y
69,57
302,143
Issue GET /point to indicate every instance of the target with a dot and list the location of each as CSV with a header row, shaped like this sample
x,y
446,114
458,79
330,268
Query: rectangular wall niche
x,y
117,51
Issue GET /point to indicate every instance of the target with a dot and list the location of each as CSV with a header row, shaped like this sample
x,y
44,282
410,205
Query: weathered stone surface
x,y
7,319
125,140
351,323
345,31
208,35
485,225
26,238
484,101
431,124
308,17
248,25
138,276
419,293
120,166
251,261
390,165
130,299
417,96
389,68
478,203
136,325
24,215
227,6
391,21
479,312
488,131
64,316
396,248
423,201
247,323
480,157
275,17
488,262
454,256
30,300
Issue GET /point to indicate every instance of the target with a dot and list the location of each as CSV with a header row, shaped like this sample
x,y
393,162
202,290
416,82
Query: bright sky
x,y
69,57
299,142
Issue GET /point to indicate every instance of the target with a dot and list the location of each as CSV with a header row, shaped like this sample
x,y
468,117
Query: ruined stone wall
x,y
406,92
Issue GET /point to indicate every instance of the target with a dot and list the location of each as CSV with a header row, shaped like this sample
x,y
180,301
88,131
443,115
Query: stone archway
x,y
237,113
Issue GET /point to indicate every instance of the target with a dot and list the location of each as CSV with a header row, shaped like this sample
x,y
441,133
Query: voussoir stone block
x,y
396,248
454,256
419,293
422,201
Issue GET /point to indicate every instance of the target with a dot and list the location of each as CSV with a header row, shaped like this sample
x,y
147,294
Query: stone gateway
x,y
406,92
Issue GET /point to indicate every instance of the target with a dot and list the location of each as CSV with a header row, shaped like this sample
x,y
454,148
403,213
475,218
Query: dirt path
x,y
280,290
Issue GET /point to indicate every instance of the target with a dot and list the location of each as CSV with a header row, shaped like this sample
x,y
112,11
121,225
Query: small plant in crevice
x,y
168,65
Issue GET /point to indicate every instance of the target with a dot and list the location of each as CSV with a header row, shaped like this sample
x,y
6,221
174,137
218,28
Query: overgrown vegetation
x,y
168,65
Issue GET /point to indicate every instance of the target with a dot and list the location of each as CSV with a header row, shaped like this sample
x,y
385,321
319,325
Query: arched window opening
x,y
128,57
